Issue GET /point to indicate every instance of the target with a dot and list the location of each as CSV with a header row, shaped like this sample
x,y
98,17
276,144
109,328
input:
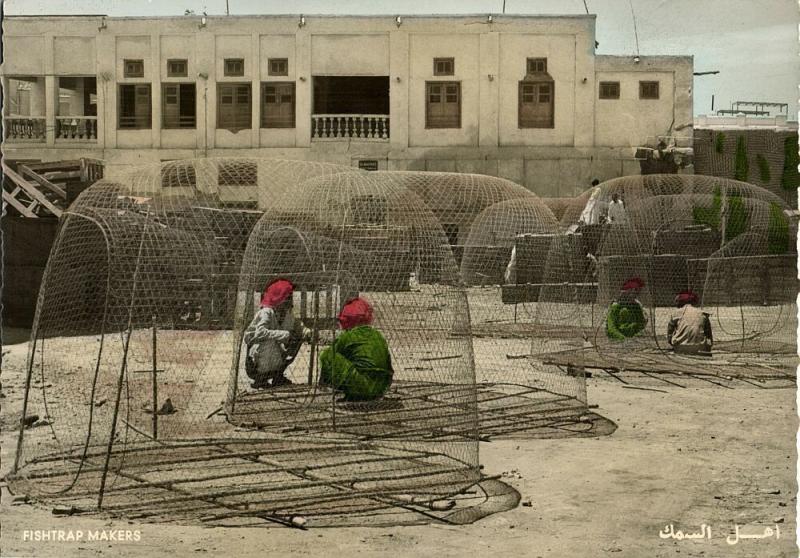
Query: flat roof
x,y
322,16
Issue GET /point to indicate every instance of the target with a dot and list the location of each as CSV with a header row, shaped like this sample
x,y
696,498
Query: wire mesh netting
x,y
136,353
726,247
495,228
348,236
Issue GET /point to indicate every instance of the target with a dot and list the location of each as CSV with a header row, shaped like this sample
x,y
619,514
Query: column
x,y
398,90
303,88
489,98
47,93
205,47
255,76
155,89
105,46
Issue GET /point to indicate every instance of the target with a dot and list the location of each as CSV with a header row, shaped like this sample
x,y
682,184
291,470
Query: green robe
x,y
358,364
625,319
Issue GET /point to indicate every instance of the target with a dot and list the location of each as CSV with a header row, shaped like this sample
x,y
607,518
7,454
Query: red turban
x,y
276,293
632,283
355,312
686,297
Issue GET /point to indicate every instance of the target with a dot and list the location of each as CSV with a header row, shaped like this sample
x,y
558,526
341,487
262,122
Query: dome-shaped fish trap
x,y
131,351
568,210
400,373
456,199
484,218
504,260
681,274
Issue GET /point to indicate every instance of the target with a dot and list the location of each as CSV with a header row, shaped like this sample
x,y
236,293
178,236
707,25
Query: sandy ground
x,y
681,456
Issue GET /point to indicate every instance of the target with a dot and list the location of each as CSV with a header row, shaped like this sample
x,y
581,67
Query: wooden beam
x,y
10,200
55,165
63,174
43,181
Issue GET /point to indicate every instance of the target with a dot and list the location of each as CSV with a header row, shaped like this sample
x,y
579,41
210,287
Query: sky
x,y
752,43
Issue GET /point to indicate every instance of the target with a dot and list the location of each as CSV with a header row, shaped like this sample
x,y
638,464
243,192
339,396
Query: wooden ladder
x,y
32,198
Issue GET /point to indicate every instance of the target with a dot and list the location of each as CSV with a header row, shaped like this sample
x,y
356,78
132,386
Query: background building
x,y
761,150
520,97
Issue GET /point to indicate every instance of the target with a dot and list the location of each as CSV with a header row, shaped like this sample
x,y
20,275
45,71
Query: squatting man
x,y
357,364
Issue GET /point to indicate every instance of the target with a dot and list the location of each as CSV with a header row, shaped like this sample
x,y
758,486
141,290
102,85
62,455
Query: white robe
x,y
265,338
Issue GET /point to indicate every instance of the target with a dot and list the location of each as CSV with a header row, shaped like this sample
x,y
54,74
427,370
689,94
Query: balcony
x,y
76,116
337,127
350,108
76,128
25,129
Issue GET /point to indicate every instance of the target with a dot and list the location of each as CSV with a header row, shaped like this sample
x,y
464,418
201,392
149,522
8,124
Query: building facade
x,y
523,98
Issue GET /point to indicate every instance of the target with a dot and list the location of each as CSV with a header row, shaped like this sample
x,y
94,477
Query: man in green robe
x,y
626,315
358,362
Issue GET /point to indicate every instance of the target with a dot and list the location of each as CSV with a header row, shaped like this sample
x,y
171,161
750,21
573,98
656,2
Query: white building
x,y
521,97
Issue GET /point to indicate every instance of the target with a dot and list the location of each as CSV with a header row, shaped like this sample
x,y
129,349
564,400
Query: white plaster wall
x,y
464,48
629,120
178,47
277,46
174,138
350,55
134,47
134,139
23,55
234,46
74,56
560,53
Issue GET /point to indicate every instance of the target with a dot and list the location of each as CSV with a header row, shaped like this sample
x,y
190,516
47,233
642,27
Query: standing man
x,y
616,210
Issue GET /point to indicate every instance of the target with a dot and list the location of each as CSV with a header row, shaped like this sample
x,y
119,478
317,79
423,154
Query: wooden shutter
x,y
233,107
277,109
536,104
443,104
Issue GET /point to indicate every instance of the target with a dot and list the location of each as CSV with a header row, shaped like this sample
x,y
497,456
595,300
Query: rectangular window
x,y
648,90
133,68
177,175
443,104
179,109
278,66
238,173
444,66
536,104
233,106
277,104
177,68
536,65
134,106
609,90
234,66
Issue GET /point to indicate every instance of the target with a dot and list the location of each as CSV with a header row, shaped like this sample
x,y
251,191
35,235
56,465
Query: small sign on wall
x,y
368,164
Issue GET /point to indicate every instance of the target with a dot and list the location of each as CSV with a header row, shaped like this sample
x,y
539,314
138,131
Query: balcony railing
x,y
76,128
366,127
25,128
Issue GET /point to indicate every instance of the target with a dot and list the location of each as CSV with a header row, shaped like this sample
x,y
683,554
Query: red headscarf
x,y
355,312
686,297
632,283
276,293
